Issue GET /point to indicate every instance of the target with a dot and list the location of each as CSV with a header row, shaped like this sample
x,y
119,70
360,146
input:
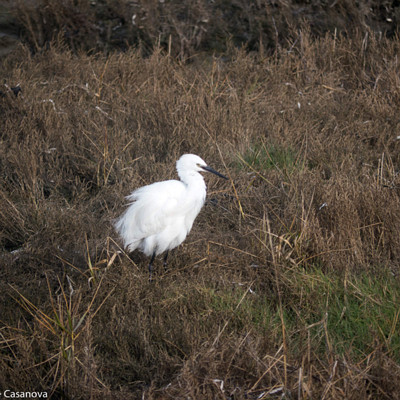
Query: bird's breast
x,y
195,202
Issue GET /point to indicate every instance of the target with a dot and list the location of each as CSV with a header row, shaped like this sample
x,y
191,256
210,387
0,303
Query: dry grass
x,y
288,283
186,28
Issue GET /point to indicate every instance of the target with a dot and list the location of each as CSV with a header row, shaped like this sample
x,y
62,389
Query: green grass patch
x,y
244,307
366,314
351,317
263,157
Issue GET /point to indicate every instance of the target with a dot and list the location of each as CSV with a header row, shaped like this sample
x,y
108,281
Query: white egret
x,y
161,215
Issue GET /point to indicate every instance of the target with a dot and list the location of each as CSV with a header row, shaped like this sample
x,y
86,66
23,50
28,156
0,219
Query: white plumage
x,y
161,215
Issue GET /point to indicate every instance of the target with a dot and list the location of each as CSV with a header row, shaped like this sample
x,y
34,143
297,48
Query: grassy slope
x,y
289,279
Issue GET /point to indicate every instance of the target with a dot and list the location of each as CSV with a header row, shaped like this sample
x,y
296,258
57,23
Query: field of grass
x,y
288,285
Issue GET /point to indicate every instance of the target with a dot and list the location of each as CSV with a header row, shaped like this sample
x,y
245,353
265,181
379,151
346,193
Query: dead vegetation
x,y
186,28
287,287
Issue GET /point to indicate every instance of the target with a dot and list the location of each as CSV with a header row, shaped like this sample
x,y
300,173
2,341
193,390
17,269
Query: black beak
x,y
209,169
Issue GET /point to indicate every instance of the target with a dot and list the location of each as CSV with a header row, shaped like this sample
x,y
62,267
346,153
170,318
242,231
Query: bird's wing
x,y
155,206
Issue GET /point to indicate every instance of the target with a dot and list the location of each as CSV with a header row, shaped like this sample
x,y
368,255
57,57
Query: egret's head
x,y
190,164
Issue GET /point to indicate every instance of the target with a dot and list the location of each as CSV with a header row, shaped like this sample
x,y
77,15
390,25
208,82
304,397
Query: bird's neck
x,y
194,182
196,192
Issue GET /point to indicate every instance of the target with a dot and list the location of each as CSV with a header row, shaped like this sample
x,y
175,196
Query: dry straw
x,y
288,283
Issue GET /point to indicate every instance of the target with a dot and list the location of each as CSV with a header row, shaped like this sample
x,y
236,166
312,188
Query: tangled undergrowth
x,y
287,285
